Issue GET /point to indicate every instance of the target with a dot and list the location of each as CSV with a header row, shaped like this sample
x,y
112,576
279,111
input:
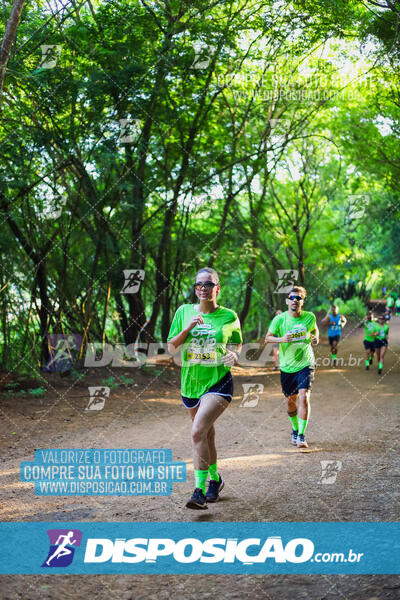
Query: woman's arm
x,y
232,354
180,339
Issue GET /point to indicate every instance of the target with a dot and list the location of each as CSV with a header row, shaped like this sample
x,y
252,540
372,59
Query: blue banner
x,y
185,548
103,472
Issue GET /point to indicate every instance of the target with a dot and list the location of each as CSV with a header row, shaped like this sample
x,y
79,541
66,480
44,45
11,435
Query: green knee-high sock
x,y
294,421
333,356
380,365
303,422
200,478
367,362
302,426
213,471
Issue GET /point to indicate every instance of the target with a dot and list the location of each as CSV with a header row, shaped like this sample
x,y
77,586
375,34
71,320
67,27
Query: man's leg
x,y
293,417
381,354
367,356
304,415
334,346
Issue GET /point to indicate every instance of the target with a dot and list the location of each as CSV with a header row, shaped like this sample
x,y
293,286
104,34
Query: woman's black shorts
x,y
380,343
223,387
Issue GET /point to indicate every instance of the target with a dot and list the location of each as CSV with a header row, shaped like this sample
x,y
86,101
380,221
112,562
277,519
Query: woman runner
x,y
205,334
381,333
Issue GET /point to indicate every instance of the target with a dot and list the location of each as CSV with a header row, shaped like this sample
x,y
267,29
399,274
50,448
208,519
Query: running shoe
x,y
214,488
301,442
367,368
379,371
370,360
294,437
198,500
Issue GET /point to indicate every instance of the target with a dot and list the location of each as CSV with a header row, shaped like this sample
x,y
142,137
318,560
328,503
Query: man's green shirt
x,y
369,328
297,354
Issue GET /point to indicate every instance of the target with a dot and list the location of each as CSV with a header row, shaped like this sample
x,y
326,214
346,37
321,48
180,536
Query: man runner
x,y
369,338
336,322
294,331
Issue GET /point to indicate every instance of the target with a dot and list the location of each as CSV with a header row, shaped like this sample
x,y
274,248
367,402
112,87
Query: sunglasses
x,y
208,285
295,298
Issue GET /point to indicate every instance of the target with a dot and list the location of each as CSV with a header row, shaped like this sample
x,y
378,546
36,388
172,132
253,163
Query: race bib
x,y
201,357
298,334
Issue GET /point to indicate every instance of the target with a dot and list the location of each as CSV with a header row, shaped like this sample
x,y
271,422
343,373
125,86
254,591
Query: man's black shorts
x,y
369,345
223,387
334,338
380,343
293,382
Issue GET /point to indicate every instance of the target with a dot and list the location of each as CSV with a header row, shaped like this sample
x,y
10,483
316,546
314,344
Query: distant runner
x,y
369,338
390,303
381,334
335,322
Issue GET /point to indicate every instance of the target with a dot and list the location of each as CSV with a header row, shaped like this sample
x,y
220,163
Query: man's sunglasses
x,y
208,285
295,298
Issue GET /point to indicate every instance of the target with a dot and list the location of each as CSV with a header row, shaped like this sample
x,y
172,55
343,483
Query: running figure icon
x,y
62,550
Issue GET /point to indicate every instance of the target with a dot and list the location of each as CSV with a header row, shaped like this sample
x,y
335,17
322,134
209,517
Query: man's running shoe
x,y
294,437
197,501
301,442
379,371
214,488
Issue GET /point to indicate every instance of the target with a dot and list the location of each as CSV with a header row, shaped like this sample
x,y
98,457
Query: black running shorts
x,y
380,343
369,345
223,387
293,382
334,338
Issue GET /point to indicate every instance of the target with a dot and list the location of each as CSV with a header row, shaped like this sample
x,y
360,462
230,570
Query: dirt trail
x,y
355,420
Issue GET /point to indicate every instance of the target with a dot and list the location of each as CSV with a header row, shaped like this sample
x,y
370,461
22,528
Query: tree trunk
x,y
8,40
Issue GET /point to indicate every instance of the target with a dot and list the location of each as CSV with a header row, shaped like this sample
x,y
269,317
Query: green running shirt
x,y
297,354
369,327
383,331
204,346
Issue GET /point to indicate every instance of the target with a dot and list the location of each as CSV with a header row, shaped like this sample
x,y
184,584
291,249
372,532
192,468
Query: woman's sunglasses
x,y
208,285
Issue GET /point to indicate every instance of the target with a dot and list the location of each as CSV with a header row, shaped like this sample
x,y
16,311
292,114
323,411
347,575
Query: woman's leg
x,y
210,437
203,441
203,434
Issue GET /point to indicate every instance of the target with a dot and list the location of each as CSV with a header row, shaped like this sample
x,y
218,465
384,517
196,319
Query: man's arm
x,y
314,333
271,338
